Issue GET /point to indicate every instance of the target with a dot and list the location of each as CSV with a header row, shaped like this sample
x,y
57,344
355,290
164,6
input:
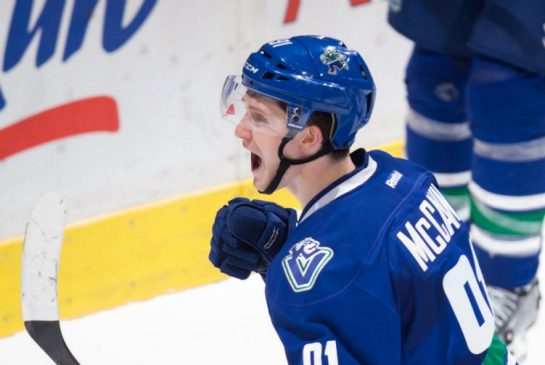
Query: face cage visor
x,y
259,113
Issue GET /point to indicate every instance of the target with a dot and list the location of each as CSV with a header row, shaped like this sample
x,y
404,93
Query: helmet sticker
x,y
334,60
280,42
303,264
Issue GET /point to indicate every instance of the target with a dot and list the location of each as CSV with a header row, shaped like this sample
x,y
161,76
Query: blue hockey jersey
x,y
506,30
380,270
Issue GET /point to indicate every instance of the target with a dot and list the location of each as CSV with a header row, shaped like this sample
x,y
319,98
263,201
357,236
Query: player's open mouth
x,y
256,161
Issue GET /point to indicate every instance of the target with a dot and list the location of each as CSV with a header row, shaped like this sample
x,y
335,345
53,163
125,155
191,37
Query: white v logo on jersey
x,y
303,264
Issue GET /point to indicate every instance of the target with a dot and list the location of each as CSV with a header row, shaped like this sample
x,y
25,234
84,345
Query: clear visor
x,y
255,112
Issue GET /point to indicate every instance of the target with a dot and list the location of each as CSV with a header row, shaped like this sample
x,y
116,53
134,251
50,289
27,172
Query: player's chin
x,y
259,182
261,179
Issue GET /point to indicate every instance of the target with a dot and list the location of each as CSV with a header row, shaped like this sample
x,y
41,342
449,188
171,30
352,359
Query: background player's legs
x,y
438,133
506,107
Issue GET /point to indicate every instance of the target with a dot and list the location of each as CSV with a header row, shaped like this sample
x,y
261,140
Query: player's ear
x,y
312,138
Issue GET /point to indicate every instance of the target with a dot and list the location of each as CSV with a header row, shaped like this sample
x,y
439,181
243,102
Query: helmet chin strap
x,y
285,163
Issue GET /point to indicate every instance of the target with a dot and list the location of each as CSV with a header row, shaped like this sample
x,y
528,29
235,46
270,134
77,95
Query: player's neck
x,y
315,176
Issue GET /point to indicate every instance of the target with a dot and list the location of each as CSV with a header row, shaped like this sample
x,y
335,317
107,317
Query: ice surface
x,y
219,324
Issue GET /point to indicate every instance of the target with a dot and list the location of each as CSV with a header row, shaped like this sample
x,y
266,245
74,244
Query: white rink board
x,y
165,79
222,324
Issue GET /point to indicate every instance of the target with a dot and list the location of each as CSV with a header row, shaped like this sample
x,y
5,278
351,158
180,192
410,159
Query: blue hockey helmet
x,y
309,74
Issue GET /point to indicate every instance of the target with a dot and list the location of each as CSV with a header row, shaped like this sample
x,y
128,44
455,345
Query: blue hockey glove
x,y
247,235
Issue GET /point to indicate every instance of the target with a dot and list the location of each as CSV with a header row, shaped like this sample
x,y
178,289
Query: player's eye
x,y
259,118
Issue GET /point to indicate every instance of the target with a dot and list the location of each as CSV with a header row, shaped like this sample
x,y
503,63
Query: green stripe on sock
x,y
497,352
458,191
502,223
457,197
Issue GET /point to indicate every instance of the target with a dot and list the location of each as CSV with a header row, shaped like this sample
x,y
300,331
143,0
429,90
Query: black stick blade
x,y
47,334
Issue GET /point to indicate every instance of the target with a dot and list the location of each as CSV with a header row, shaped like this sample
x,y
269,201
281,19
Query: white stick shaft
x,y
41,254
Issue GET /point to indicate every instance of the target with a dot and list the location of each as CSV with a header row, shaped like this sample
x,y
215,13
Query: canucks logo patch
x,y
334,60
304,263
395,5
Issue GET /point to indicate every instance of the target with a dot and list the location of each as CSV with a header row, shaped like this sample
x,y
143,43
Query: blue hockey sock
x,y
438,134
507,111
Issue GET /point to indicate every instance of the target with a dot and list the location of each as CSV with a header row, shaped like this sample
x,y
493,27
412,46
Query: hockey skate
x,y
515,311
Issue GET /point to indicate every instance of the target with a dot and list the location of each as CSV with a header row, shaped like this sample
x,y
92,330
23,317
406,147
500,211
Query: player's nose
x,y
242,130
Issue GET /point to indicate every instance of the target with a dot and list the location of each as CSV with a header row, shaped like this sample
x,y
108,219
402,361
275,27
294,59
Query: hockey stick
x,y
41,254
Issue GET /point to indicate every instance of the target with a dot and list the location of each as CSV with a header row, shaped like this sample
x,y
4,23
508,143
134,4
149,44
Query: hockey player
x,y
378,268
476,91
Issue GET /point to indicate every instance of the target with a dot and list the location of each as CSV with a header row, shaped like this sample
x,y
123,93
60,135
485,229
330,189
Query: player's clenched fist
x,y
247,235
